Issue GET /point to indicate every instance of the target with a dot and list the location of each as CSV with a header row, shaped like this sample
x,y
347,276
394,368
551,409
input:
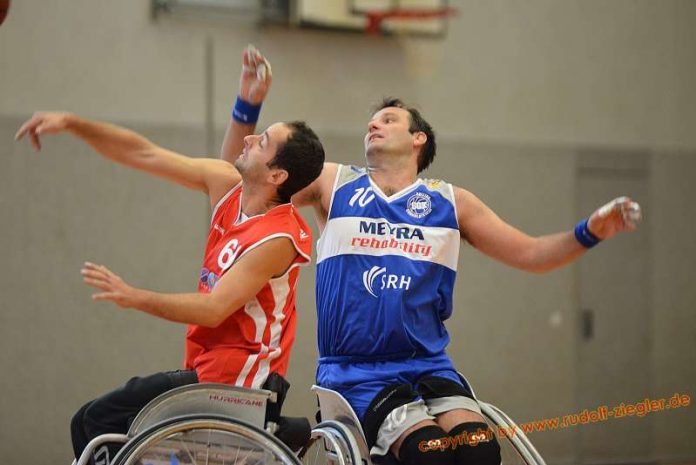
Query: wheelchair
x,y
339,438
212,424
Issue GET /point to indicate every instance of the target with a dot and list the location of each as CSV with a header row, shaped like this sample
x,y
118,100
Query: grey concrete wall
x,y
58,349
514,334
674,301
606,72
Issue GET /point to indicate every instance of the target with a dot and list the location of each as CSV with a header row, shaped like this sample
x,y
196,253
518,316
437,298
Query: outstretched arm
x,y
237,287
479,225
254,83
135,151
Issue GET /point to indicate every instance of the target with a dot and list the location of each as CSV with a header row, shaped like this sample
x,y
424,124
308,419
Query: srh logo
x,y
377,279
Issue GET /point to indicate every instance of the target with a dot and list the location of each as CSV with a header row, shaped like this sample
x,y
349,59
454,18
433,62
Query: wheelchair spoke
x,y
316,456
201,441
187,450
207,447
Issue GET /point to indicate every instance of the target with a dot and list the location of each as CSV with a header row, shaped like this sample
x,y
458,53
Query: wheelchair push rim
x,y
204,439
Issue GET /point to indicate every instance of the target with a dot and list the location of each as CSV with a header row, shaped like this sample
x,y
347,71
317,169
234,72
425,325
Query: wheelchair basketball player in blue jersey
x,y
387,260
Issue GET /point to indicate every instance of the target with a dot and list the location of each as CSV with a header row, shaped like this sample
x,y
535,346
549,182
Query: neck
x,y
391,174
256,201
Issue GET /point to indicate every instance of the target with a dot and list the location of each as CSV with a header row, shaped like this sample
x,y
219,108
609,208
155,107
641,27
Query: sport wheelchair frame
x,y
340,437
198,423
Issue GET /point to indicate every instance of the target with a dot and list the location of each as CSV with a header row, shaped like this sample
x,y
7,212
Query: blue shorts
x,y
360,382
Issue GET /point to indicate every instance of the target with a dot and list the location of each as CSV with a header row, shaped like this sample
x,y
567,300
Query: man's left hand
x,y
621,214
114,288
256,76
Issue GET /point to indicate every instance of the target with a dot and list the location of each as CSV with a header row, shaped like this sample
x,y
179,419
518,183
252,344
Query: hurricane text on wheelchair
x,y
236,400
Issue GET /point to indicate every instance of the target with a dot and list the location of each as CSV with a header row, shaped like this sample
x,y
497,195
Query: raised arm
x,y
479,225
134,151
254,83
237,287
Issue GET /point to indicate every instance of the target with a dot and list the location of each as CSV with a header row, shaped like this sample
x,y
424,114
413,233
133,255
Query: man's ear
x,y
277,176
419,139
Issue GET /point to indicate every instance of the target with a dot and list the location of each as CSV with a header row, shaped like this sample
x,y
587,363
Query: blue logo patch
x,y
419,205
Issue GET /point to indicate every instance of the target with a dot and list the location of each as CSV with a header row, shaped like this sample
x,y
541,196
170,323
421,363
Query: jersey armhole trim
x,y
222,200
333,194
454,204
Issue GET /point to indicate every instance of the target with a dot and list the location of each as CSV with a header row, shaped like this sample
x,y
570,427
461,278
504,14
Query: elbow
x,y
215,315
212,319
144,154
534,260
538,269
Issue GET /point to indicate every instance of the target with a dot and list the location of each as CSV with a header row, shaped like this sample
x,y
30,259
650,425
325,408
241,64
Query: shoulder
x,y
219,168
220,178
467,202
319,189
348,173
471,211
286,218
286,221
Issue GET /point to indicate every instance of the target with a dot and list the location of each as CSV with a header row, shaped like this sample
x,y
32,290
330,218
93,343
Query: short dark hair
x,y
418,124
302,156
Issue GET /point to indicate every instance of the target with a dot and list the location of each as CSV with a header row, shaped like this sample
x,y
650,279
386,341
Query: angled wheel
x,y
204,439
331,443
515,448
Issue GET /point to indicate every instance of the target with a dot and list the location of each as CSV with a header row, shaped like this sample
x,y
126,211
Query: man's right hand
x,y
256,77
44,123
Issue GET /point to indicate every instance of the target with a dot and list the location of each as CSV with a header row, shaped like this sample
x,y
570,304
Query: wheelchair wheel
x,y
204,439
331,443
515,449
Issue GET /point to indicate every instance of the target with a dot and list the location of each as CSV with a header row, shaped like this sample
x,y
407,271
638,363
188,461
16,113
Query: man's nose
x,y
249,140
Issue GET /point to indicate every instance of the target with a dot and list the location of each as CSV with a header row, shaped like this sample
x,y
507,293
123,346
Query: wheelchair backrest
x,y
244,404
333,406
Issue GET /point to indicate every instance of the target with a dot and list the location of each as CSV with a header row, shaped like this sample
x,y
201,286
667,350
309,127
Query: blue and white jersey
x,y
385,269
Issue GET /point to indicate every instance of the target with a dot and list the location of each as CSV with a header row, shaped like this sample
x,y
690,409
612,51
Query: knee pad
x,y
427,446
475,443
434,387
389,398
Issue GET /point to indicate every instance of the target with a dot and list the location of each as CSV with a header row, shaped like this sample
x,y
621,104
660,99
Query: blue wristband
x,y
585,236
244,112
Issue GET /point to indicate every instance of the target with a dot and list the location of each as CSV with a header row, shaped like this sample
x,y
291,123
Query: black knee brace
x,y
433,387
429,445
385,401
475,443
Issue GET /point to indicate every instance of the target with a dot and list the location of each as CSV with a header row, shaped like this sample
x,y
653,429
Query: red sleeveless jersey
x,y
256,339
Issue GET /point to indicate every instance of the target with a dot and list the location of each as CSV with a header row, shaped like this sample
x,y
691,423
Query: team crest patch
x,y
419,205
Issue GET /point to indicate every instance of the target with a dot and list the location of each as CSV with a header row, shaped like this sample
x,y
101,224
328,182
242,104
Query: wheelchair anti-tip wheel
x,y
204,439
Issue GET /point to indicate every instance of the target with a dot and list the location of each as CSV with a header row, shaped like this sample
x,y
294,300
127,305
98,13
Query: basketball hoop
x,y
375,18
